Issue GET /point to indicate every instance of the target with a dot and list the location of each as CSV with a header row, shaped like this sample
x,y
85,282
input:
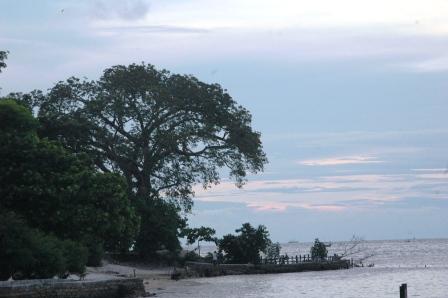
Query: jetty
x,y
266,266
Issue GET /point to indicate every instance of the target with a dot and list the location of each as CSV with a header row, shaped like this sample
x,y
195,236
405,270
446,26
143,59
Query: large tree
x,y
164,132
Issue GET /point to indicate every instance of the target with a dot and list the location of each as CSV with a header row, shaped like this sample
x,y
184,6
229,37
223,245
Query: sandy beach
x,y
157,280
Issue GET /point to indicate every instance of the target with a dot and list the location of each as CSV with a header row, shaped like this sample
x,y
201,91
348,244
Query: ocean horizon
x,y
420,263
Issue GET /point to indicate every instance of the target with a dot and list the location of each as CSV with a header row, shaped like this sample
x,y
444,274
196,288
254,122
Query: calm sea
x,y
422,264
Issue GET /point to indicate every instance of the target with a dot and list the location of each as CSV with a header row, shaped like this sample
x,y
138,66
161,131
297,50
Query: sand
x,y
156,279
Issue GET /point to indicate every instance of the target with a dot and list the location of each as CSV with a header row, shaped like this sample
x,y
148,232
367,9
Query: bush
x,y
319,250
245,247
27,253
15,246
49,257
75,257
273,251
60,192
95,253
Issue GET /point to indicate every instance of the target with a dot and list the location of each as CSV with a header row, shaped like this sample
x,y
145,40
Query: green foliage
x,y
273,250
96,252
160,227
48,255
17,121
3,57
164,132
75,256
102,212
28,100
318,250
29,253
245,247
60,192
199,234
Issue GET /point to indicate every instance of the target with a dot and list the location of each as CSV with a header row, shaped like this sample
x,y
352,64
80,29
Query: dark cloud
x,y
124,9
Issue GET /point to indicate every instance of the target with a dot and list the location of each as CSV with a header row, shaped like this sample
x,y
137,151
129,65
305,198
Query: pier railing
x,y
282,260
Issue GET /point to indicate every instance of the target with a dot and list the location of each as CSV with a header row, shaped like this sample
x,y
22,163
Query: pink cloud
x,y
335,161
327,193
326,208
268,207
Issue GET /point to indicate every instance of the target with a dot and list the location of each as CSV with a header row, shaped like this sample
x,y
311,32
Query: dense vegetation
x,y
319,250
199,234
162,132
29,253
3,56
246,246
110,165
58,193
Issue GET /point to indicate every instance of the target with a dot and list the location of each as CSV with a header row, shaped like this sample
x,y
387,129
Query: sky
x,y
350,97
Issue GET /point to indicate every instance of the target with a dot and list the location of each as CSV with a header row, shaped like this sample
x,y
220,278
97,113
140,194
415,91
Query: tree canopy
x,y
59,192
247,246
199,234
149,133
318,250
164,132
29,253
3,57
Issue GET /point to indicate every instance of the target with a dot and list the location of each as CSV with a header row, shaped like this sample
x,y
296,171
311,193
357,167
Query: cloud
x,y
336,161
439,170
326,208
268,207
130,10
285,29
415,16
438,64
148,29
330,193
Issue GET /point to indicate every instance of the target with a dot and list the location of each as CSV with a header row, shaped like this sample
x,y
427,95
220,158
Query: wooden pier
x,y
283,266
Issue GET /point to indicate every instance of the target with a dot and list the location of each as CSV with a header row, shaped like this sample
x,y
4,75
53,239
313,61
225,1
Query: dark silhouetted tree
x,y
247,246
57,191
199,234
318,250
163,132
3,57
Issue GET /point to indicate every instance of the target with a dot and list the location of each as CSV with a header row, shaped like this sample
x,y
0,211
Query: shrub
x,y
273,251
245,247
49,257
95,253
319,250
27,253
75,257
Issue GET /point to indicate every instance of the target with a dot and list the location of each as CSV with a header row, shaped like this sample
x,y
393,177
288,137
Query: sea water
x,y
421,264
